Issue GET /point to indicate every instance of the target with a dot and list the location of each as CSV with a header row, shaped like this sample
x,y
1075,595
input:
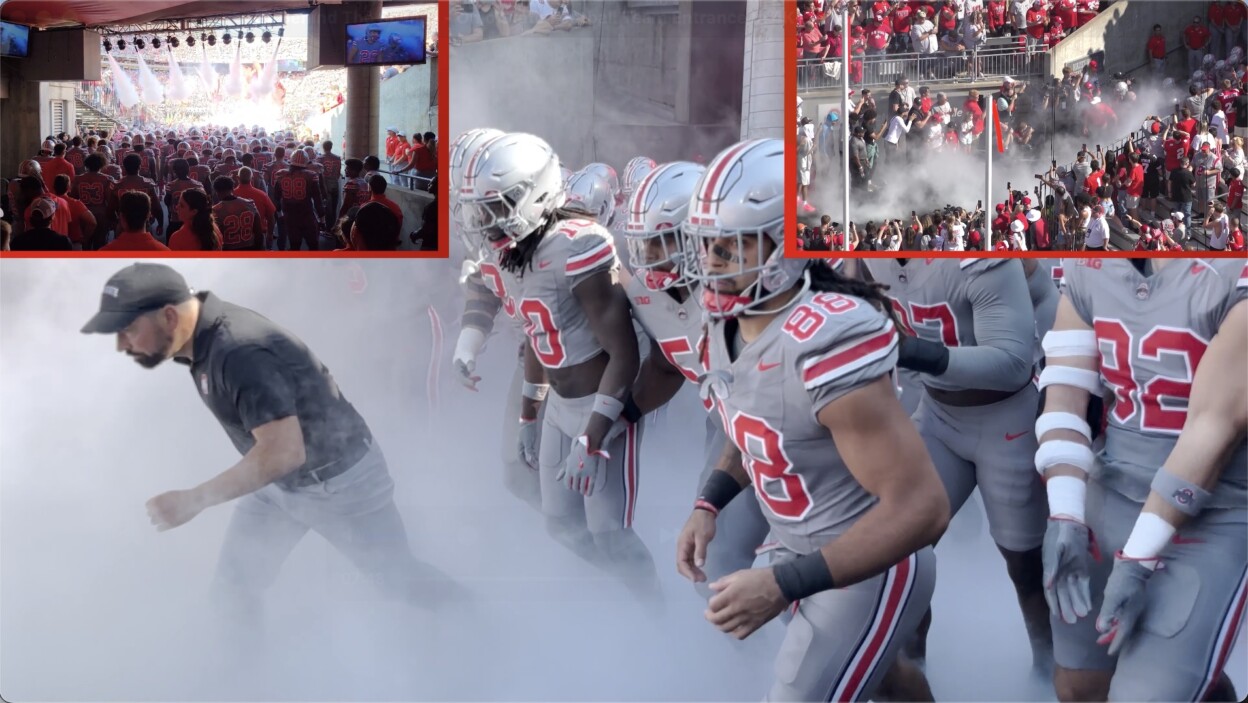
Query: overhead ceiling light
x,y
190,40
250,37
173,41
266,37
227,38
155,42
139,43
121,44
212,40
108,45
281,31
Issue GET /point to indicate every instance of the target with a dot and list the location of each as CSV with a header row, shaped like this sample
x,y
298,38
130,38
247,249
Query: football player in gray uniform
x,y
1167,493
664,302
799,363
560,277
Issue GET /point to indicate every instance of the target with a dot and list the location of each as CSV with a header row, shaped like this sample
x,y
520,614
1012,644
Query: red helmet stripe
x,y
716,172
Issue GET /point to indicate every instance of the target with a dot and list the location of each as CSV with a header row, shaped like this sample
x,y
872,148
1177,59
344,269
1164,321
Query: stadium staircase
x,y
87,116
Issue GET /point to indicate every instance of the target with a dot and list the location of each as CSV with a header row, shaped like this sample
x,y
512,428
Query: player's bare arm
x,y
606,307
535,376
658,381
885,454
1217,418
278,451
728,479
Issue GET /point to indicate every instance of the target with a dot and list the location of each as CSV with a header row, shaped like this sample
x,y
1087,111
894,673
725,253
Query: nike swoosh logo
x,y
767,367
1011,437
543,264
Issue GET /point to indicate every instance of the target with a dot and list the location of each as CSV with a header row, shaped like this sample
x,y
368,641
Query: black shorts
x,y
1152,189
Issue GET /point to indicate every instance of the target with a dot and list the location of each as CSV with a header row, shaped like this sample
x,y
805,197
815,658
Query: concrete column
x,y
762,95
363,99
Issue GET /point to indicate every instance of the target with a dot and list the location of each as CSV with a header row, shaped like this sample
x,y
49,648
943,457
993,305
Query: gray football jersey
x,y
1152,332
979,308
769,398
541,296
677,328
1044,285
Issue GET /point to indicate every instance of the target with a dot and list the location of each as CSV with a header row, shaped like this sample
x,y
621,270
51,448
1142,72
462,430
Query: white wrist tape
x,y
1063,451
1150,535
608,407
1047,422
471,341
1067,496
1070,343
535,391
1060,375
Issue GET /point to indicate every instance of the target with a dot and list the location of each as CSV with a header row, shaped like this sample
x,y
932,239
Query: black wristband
x,y
631,412
804,576
921,355
720,488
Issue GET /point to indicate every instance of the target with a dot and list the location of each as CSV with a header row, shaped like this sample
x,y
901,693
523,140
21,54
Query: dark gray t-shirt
x,y
250,372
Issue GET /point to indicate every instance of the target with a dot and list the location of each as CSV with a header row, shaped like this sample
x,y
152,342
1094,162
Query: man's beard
x,y
151,361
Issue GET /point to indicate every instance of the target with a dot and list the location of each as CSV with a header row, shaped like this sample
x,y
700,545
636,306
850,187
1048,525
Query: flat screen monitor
x,y
14,40
387,42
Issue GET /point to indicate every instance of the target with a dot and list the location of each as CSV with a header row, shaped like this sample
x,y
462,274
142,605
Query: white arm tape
x,y
1061,375
535,391
1067,497
1064,451
1047,422
471,341
1070,343
1150,535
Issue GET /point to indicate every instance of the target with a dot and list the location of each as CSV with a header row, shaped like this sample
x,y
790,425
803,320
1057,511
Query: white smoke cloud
x,y
127,94
153,91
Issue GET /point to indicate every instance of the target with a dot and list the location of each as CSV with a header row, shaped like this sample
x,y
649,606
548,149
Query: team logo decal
x,y
1184,496
1141,291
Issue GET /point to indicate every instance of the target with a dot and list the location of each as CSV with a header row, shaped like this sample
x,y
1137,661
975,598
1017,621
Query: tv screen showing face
x,y
386,42
14,40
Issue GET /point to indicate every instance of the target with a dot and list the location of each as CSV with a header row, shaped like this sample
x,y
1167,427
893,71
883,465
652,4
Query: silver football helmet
x,y
608,174
637,169
511,186
656,211
740,195
590,195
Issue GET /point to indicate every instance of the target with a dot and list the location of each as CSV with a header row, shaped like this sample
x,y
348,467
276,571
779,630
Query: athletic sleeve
x,y
1075,287
847,352
1005,330
260,386
590,249
1232,288
481,306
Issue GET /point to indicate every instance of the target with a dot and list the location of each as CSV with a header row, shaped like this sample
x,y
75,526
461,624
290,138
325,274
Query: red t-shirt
x,y
902,16
1197,35
425,159
1065,10
878,37
184,239
947,19
1136,189
134,241
1035,23
76,212
1235,195
996,13
1093,182
879,12
1216,14
1157,46
54,167
812,42
1088,10
1234,14
1175,149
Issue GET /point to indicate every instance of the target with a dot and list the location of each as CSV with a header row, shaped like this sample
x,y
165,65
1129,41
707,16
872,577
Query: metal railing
x,y
959,67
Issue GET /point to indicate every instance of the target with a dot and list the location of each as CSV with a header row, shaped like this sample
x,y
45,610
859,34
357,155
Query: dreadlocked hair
x,y
825,279
516,258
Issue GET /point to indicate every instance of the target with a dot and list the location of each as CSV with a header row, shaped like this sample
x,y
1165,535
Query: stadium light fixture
x,y
139,43
155,42
108,45
251,37
212,40
226,39
121,44
190,40
266,37
172,41
281,31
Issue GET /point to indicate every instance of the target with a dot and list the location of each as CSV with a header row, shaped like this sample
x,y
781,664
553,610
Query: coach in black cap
x,y
309,460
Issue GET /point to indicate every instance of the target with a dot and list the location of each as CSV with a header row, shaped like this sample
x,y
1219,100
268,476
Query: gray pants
x,y
1195,59
354,511
1194,611
992,447
840,643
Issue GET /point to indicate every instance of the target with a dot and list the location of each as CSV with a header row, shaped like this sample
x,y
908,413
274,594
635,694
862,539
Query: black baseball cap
x,y
133,291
